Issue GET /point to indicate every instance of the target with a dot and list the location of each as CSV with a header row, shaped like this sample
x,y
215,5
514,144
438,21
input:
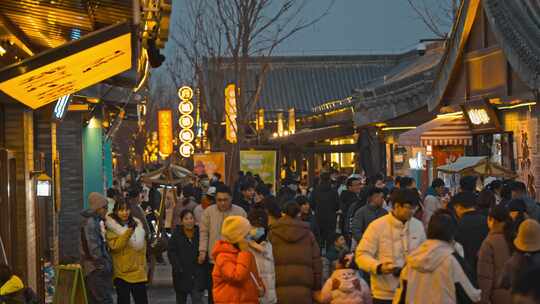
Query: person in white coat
x,y
435,272
261,249
387,242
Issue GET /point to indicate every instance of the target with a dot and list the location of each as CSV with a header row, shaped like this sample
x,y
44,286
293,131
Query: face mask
x,y
256,233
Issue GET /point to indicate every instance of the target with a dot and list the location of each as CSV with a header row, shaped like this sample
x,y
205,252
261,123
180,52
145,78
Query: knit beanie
x,y
235,228
97,201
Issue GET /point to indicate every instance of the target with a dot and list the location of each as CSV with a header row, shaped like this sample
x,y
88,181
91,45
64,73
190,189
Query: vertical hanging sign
x,y
292,121
186,122
230,113
165,133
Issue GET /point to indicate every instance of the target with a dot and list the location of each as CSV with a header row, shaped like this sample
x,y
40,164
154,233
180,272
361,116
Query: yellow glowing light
x,y
70,74
457,114
165,132
185,108
186,121
230,110
527,104
186,135
187,149
478,116
2,51
185,93
397,128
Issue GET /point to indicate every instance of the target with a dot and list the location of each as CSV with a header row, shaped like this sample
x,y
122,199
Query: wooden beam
x,y
19,37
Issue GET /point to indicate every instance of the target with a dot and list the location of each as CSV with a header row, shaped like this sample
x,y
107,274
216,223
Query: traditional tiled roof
x,y
516,26
304,82
403,90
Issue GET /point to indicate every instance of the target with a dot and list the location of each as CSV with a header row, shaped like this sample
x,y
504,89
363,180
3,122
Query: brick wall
x,y
69,143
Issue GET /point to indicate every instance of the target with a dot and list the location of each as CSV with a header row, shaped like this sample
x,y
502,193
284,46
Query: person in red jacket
x,y
235,276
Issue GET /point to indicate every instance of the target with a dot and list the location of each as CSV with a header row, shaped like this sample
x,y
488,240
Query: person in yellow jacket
x,y
11,286
126,239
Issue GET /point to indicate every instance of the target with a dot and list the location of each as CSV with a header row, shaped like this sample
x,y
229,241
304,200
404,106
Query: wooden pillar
x,y
311,168
19,138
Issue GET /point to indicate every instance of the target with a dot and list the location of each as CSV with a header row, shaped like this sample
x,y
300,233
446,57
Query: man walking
x,y
95,259
368,213
387,242
210,226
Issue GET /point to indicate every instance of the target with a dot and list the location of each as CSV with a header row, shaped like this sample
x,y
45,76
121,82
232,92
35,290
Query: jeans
x,y
125,290
99,287
196,297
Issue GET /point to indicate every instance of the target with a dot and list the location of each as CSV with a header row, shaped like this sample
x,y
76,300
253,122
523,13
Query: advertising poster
x,y
262,163
209,163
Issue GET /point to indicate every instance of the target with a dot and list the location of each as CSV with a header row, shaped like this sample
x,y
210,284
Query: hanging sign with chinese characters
x,y
48,77
185,107
230,113
165,132
481,117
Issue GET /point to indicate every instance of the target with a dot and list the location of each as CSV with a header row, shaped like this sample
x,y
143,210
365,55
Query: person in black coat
x,y
348,198
189,277
325,202
472,227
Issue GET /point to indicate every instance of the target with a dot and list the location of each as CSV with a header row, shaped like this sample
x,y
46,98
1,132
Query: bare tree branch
x,y
437,15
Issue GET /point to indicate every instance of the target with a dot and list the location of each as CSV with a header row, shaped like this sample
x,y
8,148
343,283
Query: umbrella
x,y
476,166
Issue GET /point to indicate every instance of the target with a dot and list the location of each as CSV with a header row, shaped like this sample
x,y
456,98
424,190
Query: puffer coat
x,y
297,260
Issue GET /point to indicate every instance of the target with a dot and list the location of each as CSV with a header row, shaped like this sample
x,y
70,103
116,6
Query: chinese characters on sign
x,y
478,116
165,132
186,122
230,113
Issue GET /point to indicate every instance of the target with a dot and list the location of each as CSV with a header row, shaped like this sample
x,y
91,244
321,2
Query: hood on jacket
x,y
290,230
429,255
14,284
137,239
224,247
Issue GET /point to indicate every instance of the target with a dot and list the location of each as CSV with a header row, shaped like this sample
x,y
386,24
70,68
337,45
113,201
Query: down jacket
x,y
387,239
493,255
297,259
265,264
435,273
128,251
235,276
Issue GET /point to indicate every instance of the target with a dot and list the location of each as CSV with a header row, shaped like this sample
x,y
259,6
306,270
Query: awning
x,y
476,166
441,131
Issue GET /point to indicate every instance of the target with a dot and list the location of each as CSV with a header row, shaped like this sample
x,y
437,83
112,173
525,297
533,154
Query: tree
x,y
437,15
225,37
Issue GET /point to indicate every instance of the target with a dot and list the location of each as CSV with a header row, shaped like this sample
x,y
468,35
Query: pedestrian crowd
x,y
343,240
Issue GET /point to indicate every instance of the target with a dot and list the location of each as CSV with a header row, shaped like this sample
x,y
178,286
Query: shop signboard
x,y
209,163
481,117
262,163
165,132
231,126
49,76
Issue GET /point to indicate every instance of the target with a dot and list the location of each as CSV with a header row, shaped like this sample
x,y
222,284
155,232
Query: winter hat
x,y
517,205
97,201
235,228
211,191
528,237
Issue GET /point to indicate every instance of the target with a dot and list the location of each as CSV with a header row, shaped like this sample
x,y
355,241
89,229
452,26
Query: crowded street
x,y
269,151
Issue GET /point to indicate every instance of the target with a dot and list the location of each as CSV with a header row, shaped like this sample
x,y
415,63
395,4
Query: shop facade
x,y
489,76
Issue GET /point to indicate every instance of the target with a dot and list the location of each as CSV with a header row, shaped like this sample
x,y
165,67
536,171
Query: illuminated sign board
x,y
481,117
47,77
165,132
186,121
230,116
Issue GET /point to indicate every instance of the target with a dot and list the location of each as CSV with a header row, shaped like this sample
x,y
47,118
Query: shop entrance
x,y
8,204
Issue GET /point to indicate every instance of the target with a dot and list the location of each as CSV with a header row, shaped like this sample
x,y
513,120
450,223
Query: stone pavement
x,y
161,291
